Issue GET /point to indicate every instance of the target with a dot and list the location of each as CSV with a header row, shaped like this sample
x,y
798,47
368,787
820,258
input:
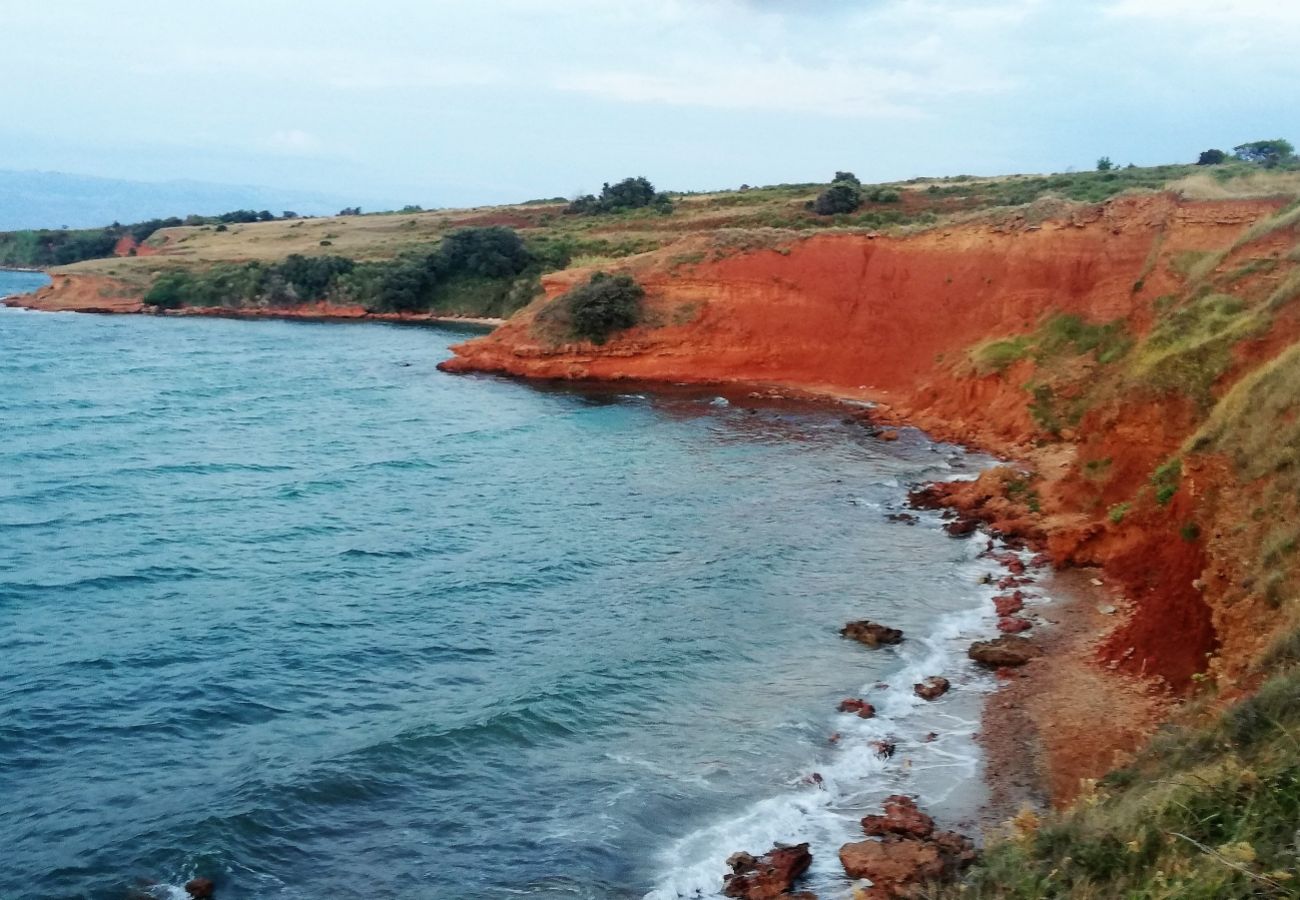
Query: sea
x,y
284,606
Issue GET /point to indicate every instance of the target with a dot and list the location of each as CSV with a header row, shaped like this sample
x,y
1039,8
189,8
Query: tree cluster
x,y
630,193
409,283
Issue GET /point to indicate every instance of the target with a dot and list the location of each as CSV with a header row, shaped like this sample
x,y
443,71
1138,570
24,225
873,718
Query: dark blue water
x,y
283,605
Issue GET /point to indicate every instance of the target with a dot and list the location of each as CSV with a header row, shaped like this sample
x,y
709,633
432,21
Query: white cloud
x,y
1200,12
293,142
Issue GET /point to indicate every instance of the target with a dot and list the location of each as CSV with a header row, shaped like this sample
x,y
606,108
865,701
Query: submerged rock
x,y
932,688
873,634
200,888
884,749
768,876
905,518
1007,650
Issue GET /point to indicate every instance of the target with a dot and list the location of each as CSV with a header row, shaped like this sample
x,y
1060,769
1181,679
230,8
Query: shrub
x,y
168,292
605,304
1211,158
1117,513
1104,164
840,197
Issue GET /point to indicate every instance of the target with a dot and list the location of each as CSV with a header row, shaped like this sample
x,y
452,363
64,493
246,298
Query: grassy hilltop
x,y
400,261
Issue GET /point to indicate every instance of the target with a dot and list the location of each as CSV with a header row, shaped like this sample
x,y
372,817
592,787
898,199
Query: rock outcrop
x,y
768,876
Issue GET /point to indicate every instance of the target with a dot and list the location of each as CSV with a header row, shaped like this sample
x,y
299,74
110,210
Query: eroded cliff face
x,y
895,320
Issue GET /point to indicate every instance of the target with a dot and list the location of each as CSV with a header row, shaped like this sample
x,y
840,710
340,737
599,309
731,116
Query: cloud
x,y
1201,12
293,142
836,89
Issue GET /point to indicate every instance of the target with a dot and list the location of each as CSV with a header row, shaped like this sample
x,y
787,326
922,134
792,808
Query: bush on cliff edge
x,y
605,304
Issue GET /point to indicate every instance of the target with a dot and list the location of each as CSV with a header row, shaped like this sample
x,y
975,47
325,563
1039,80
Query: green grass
x,y
1165,480
1206,813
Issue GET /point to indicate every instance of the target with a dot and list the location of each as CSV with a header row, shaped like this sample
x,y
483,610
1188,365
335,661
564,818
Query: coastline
x,y
1057,723
108,305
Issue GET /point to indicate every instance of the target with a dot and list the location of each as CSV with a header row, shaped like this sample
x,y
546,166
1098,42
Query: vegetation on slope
x,y
41,248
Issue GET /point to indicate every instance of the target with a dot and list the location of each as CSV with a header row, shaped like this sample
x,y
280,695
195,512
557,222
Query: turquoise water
x,y
283,605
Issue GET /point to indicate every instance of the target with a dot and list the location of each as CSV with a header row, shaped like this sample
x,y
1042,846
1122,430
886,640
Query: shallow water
x,y
283,605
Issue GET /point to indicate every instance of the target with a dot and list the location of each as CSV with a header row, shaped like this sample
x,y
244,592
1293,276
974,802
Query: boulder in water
x,y
765,877
854,705
901,818
932,688
873,634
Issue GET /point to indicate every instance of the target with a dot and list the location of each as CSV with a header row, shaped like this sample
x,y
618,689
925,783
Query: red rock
x,y
1007,650
932,737
961,527
200,888
901,818
932,688
1011,581
768,876
1016,567
888,435
1040,561
852,704
867,711
892,866
873,634
1008,604
1013,625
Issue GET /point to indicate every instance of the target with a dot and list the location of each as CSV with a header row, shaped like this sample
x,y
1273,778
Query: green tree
x,y
1267,153
1104,164
1211,158
840,197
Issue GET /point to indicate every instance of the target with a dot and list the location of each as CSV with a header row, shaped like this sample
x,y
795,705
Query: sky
x,y
484,101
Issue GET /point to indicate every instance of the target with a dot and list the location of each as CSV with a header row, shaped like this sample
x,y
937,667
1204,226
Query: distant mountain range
x,y
56,199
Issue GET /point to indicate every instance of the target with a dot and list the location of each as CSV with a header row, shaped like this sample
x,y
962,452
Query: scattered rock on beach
x,y
1013,625
1009,604
884,749
909,853
768,876
873,634
932,688
1008,650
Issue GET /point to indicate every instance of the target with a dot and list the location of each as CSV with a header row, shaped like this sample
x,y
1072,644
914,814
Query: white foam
x,y
855,777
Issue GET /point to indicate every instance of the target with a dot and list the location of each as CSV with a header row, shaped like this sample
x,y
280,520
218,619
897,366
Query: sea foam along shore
x,y
931,749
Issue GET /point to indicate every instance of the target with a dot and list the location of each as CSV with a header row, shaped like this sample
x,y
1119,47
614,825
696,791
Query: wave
x,y
854,776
